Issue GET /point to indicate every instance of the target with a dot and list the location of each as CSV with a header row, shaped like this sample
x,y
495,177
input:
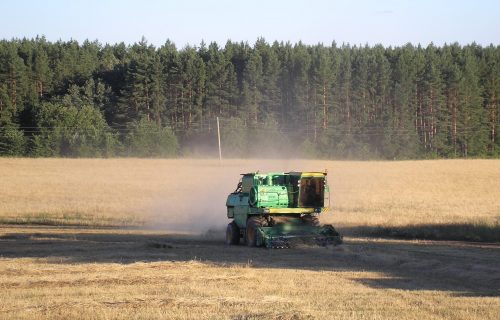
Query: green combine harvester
x,y
278,210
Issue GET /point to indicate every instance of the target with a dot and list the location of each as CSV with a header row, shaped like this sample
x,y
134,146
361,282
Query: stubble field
x,y
129,238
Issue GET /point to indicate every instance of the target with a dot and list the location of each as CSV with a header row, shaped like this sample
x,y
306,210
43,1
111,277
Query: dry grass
x,y
100,274
454,199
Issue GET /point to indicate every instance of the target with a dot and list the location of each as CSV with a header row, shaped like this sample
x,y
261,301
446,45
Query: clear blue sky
x,y
387,22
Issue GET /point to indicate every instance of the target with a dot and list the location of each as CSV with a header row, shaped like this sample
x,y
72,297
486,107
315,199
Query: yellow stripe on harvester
x,y
312,174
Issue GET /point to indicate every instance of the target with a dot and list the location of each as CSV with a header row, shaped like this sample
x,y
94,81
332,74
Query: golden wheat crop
x,y
186,192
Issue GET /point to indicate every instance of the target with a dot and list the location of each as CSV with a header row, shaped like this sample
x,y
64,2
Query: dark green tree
x,y
148,139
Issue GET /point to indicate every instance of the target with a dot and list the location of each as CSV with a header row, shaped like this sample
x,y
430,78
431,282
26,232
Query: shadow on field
x,y
465,269
456,232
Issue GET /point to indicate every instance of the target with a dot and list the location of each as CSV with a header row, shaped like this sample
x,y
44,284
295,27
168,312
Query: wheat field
x,y
132,238
190,194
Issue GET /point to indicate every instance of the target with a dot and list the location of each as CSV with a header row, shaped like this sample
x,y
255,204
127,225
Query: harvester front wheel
x,y
251,233
232,234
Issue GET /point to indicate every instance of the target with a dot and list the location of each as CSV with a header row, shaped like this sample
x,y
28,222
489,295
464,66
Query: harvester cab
x,y
279,209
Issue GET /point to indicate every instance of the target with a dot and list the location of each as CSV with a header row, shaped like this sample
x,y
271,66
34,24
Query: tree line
x,y
340,101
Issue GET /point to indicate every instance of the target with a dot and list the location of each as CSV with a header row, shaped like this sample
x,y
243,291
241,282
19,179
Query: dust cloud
x,y
192,210
193,199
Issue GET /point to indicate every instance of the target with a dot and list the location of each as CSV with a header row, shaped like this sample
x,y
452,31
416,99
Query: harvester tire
x,y
312,221
232,234
251,233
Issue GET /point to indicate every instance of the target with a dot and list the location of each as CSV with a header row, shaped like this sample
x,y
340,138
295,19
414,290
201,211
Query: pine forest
x,y
71,99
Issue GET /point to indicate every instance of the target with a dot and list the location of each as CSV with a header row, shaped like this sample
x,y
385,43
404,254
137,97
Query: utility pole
x,y
218,137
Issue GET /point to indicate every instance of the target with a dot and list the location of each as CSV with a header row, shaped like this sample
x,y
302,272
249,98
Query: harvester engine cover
x,y
279,210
